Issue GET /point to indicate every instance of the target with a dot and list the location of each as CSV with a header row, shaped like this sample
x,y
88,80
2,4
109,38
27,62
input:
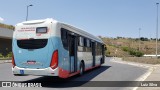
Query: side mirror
x,y
105,48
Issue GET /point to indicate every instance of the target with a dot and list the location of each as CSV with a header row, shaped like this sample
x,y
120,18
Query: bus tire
x,y
81,68
101,62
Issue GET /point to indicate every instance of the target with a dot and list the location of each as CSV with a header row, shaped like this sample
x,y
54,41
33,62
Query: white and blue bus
x,y
51,48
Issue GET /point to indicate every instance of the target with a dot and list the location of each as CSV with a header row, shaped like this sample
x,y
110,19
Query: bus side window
x,y
85,42
88,45
78,40
96,48
64,38
85,45
100,49
80,44
81,41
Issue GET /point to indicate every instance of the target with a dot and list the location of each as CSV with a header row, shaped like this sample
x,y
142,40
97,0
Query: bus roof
x,y
74,29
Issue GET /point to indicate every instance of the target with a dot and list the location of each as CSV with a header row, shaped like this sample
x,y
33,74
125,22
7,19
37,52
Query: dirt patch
x,y
146,60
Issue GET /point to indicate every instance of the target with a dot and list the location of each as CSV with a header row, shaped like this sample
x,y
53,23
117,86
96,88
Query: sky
x,y
108,18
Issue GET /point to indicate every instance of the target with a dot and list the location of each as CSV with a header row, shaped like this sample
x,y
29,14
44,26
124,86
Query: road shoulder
x,y
153,73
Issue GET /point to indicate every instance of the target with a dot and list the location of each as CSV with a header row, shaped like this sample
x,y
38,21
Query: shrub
x,y
107,53
126,49
1,55
139,54
9,54
133,52
136,53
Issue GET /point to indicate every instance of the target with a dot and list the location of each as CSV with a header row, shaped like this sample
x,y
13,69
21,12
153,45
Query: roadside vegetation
x,y
6,26
8,56
132,49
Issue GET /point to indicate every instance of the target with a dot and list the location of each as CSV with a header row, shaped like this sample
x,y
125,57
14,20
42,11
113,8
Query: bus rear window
x,y
41,30
32,43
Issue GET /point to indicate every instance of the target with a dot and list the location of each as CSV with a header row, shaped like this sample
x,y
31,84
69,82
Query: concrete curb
x,y
5,61
119,60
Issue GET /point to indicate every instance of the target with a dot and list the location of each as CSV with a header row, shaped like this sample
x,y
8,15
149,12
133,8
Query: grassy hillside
x,y
127,47
6,26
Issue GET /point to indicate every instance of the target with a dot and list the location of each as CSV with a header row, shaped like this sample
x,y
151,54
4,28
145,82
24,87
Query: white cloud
x,y
1,20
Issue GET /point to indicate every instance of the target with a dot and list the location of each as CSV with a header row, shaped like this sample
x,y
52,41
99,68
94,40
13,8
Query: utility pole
x,y
157,33
139,38
27,11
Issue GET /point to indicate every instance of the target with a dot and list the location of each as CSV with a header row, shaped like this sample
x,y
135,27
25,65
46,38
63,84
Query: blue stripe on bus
x,y
42,56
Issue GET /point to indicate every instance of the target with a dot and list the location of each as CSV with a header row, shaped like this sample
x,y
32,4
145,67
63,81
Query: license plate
x,y
31,62
21,71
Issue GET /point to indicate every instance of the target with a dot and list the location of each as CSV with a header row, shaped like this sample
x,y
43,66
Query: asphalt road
x,y
110,71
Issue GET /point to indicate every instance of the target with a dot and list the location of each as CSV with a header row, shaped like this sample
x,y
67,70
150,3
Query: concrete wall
x,y
6,33
5,41
5,46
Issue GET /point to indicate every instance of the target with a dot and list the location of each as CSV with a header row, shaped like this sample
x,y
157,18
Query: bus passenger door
x,y
73,53
93,53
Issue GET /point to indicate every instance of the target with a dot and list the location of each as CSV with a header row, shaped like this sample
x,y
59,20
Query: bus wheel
x,y
101,61
81,68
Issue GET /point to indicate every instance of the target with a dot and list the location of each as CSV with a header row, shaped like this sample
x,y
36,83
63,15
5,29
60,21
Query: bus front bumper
x,y
40,72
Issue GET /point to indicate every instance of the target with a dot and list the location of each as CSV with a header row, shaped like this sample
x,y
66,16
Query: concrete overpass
x,y
5,41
